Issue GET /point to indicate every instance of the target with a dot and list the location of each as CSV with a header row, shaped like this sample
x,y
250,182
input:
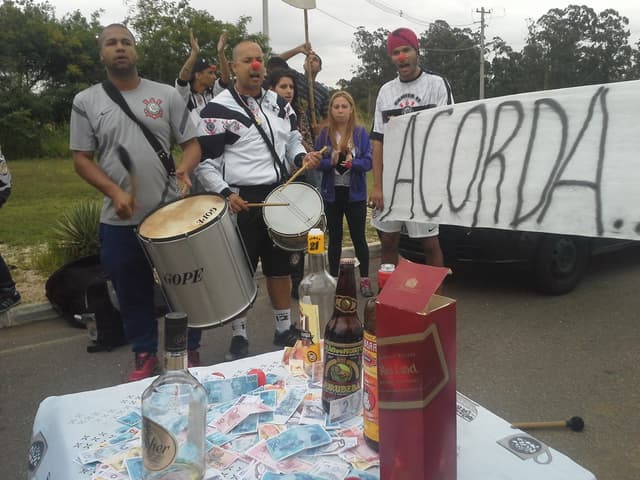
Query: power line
x,y
402,14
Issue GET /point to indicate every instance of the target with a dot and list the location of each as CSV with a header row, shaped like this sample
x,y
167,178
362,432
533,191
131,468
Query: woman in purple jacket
x,y
344,168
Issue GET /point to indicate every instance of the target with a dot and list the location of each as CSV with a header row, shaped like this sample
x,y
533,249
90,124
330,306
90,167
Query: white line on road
x,y
57,341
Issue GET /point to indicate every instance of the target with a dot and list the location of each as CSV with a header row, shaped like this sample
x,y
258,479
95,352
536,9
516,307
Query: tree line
x,y
46,60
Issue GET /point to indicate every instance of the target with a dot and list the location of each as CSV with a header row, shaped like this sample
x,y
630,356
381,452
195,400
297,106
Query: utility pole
x,y
265,19
482,11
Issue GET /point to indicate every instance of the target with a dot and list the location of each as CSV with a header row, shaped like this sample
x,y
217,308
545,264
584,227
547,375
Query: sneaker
x,y
239,348
9,301
193,358
145,364
288,338
365,287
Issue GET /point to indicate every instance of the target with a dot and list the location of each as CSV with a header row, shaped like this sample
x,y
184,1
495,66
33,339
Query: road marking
x,y
22,348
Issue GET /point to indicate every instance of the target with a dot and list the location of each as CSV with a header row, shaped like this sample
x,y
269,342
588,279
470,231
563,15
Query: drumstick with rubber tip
x,y
303,168
574,423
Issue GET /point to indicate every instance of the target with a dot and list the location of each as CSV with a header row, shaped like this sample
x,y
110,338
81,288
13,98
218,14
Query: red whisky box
x,y
416,336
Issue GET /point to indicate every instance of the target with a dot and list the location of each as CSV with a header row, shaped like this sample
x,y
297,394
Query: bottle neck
x,y
346,297
317,262
175,361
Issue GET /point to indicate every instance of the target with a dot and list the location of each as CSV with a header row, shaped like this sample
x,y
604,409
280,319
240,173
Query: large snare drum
x,y
200,259
288,226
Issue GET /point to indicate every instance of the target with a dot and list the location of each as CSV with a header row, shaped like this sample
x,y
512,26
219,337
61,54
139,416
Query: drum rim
x,y
183,234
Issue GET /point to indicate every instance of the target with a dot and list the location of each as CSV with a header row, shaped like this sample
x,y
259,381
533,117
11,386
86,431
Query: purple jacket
x,y
360,165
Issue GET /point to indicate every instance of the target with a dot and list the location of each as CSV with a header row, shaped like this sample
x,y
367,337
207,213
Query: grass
x,y
43,191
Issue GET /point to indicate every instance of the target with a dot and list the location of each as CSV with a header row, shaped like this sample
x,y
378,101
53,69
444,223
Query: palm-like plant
x,y
76,234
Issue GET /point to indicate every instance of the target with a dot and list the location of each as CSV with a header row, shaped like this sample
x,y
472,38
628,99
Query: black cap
x,y
175,332
201,65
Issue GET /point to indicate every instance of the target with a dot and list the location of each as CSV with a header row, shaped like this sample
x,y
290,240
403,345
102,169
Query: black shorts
x,y
275,260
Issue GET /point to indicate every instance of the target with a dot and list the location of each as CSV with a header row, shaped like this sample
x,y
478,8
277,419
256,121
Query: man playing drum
x,y
99,126
250,143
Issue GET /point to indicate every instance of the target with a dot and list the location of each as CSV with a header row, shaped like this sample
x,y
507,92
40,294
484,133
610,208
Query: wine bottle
x,y
174,410
317,288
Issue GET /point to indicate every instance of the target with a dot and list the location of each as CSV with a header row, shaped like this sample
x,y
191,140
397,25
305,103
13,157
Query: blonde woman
x,y
345,164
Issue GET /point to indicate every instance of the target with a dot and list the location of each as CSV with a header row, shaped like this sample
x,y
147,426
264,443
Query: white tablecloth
x,y
67,425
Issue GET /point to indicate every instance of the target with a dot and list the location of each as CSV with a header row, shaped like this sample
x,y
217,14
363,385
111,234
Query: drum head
x,y
303,213
183,216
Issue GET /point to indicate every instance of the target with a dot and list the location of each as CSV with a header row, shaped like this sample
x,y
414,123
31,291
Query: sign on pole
x,y
306,4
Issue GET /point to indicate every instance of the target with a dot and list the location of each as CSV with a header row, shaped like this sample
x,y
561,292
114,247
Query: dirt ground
x,y
30,283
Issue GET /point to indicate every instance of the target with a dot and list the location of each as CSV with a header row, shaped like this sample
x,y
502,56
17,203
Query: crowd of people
x,y
243,134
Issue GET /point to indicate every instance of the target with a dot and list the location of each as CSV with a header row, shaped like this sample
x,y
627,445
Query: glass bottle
x,y
343,338
174,410
370,364
317,288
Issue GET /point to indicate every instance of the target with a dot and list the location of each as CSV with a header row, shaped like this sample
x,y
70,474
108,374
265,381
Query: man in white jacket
x,y
250,143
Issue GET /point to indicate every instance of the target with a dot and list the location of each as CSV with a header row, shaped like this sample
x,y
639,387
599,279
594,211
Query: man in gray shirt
x,y
99,131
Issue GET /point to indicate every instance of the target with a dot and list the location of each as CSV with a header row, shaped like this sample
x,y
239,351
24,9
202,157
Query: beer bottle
x,y
370,364
343,337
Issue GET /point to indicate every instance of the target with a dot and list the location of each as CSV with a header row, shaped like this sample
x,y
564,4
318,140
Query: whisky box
x,y
416,337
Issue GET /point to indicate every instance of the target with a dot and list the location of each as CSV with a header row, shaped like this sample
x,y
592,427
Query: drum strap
x,y
165,158
283,170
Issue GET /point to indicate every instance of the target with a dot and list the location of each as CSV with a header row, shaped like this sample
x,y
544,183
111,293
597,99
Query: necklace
x,y
255,112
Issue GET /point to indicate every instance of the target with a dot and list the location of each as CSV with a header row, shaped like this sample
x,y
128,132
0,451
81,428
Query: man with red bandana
x,y
414,89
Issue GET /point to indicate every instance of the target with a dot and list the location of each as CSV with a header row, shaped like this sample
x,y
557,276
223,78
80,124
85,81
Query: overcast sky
x,y
333,22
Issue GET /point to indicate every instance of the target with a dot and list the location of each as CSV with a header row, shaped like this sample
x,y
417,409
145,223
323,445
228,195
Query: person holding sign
x,y
414,89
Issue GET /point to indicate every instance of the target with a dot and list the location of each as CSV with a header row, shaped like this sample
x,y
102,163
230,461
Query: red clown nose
x,y
256,65
402,57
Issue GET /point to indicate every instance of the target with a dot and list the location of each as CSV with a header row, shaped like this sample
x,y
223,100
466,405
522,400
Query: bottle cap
x,y
315,241
175,332
385,271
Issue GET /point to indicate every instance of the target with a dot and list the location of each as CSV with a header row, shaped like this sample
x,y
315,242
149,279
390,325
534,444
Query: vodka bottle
x,y
317,288
343,338
174,410
370,364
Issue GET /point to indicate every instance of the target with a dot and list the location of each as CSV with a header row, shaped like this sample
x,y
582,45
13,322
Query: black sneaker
x,y
11,300
239,348
288,338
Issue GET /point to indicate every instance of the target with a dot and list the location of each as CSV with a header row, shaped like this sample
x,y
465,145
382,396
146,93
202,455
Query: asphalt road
x,y
525,356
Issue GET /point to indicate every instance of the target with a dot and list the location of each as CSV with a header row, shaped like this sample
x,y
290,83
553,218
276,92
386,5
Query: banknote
x,y
135,468
290,476
269,430
296,439
132,418
260,453
218,438
222,390
362,475
330,470
237,413
220,458
288,405
312,413
345,408
101,453
337,446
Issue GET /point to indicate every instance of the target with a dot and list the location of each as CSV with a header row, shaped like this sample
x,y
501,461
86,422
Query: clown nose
x,y
402,57
256,65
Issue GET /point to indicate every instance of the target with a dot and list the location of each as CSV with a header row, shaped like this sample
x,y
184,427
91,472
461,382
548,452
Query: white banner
x,y
561,161
307,4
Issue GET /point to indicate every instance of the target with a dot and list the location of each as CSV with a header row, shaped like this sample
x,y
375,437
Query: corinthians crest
x,y
152,108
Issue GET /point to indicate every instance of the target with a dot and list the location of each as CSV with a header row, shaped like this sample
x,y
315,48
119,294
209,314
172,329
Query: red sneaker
x,y
193,358
144,365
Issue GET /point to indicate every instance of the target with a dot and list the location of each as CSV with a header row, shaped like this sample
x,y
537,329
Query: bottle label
x,y
346,304
310,316
315,242
159,446
370,384
342,369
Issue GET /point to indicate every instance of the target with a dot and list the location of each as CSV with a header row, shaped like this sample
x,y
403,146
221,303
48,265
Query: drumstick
x,y
302,168
264,204
126,162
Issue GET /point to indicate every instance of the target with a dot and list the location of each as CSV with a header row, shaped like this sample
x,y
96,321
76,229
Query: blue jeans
x,y
124,261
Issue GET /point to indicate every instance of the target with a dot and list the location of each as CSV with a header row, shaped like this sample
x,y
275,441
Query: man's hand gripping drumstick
x,y
310,161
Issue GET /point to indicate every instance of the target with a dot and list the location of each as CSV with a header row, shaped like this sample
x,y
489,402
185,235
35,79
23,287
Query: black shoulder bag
x,y
165,158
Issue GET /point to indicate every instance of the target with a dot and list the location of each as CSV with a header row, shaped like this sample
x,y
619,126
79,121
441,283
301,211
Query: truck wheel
x,y
560,262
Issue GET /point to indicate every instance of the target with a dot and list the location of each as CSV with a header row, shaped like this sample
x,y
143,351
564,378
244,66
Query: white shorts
x,y
413,229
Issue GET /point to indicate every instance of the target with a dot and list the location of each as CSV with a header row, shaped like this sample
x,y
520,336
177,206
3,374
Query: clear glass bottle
x,y
343,338
317,289
370,364
174,411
